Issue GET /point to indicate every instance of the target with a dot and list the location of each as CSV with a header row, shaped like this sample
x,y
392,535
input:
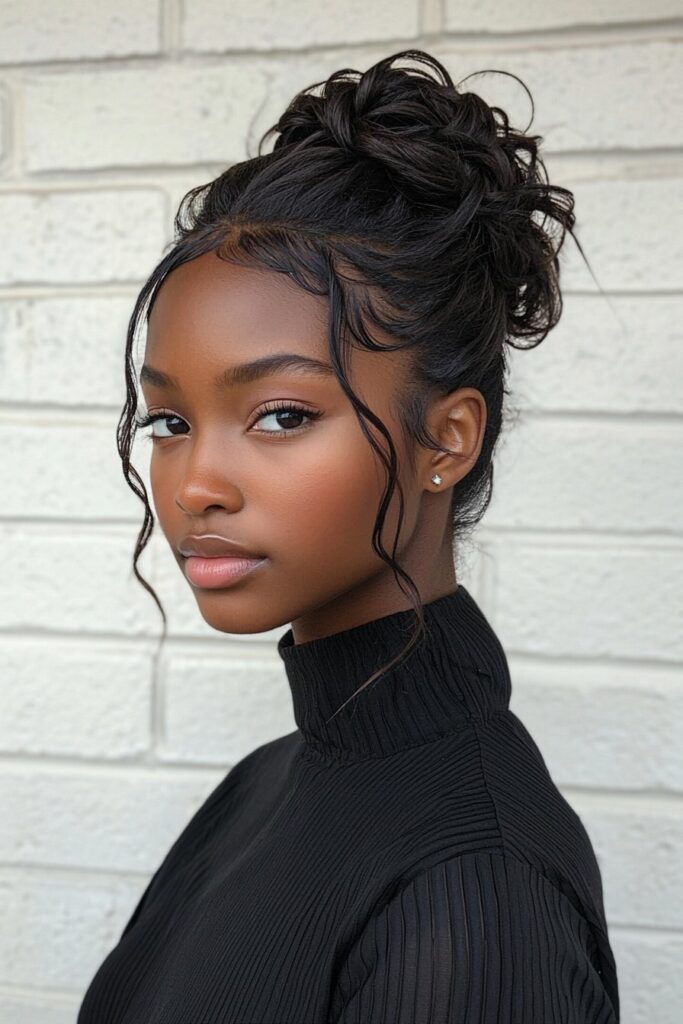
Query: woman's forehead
x,y
228,313
209,295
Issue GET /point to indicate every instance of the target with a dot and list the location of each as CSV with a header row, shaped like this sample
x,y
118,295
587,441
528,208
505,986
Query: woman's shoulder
x,y
487,789
537,822
481,929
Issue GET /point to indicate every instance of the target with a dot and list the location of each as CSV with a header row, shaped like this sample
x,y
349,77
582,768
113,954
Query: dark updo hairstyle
x,y
414,208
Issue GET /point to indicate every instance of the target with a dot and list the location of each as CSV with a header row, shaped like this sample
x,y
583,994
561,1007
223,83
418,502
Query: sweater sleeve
x,y
478,939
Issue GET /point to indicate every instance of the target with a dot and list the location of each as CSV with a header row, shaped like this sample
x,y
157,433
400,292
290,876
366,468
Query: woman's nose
x,y
198,494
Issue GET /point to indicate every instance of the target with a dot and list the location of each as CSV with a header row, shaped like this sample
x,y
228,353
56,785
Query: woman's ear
x,y
457,421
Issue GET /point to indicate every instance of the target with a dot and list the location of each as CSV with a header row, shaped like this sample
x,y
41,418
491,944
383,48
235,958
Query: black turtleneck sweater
x,y
408,862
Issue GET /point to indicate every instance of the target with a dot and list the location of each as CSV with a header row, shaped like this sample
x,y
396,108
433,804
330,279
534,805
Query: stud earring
x,y
436,479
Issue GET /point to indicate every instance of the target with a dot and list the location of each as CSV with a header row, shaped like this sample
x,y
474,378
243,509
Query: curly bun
x,y
454,159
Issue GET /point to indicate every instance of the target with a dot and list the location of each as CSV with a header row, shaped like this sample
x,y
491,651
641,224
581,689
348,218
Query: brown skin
x,y
307,499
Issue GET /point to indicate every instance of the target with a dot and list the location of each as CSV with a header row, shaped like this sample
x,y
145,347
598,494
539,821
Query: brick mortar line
x,y
645,802
105,874
559,37
60,998
624,165
170,15
89,289
114,289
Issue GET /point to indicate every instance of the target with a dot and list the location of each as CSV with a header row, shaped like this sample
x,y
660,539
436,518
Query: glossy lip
x,y
213,545
218,572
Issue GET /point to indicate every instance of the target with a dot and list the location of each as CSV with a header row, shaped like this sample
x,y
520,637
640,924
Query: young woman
x,y
324,376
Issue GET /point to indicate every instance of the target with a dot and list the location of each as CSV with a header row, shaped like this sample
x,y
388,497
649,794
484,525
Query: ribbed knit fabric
x,y
408,862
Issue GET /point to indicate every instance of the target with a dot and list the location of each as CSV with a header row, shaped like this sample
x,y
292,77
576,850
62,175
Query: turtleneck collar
x,y
458,672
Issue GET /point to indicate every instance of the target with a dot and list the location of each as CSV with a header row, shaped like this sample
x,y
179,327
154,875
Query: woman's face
x,y
299,488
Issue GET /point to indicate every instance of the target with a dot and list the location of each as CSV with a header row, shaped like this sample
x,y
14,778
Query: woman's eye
x,y
286,417
161,418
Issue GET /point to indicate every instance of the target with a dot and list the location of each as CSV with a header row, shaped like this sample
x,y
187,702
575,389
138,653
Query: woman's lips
x,y
216,573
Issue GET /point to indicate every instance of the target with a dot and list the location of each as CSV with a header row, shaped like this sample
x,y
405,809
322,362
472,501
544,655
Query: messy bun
x,y
418,211
471,187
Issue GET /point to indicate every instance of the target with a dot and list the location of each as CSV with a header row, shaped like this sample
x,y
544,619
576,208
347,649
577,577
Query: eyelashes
x,y
279,408
271,409
150,418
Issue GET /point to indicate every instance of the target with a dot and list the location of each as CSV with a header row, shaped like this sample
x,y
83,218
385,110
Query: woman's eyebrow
x,y
244,373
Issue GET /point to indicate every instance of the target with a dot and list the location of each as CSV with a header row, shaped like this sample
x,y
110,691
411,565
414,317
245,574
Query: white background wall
x,y
109,112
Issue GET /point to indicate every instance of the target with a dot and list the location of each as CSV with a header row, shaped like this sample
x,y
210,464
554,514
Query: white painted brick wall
x,y
36,30
78,236
108,114
66,698
205,25
64,351
489,16
63,925
250,705
95,812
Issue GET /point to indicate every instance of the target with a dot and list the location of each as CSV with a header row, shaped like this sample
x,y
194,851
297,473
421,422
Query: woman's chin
x,y
227,612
